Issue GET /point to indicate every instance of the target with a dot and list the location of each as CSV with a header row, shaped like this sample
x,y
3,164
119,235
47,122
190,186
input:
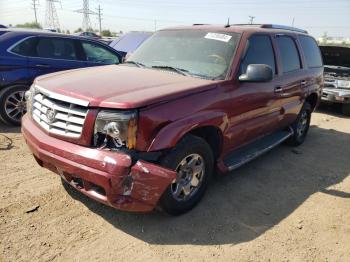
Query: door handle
x,y
42,65
278,89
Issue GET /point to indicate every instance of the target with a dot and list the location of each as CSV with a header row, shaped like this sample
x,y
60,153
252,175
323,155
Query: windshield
x,y
199,53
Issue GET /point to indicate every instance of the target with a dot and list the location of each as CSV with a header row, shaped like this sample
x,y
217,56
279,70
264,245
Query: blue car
x,y
26,54
129,42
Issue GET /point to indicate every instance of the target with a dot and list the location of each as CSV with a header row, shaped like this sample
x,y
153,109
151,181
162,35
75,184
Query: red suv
x,y
190,101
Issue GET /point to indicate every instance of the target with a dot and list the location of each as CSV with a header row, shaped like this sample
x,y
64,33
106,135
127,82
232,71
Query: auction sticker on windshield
x,y
218,36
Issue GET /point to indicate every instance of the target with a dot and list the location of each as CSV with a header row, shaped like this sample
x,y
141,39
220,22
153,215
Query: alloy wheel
x,y
15,105
190,172
302,124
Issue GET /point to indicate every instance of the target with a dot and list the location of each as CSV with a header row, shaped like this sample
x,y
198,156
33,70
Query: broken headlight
x,y
115,129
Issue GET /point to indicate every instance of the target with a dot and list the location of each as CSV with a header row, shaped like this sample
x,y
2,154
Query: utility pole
x,y
86,12
251,19
34,4
293,21
155,25
99,17
51,17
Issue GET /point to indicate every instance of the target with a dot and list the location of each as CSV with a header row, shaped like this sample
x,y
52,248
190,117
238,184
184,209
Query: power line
x,y
99,17
51,17
86,14
34,8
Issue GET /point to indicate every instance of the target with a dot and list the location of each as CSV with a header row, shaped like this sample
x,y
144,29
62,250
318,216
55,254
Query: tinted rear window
x,y
289,54
26,47
311,51
56,48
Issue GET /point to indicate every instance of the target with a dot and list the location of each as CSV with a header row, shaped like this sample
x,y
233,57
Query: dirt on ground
x,y
292,204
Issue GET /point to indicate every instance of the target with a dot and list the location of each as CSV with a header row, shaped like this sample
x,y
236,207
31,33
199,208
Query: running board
x,y
251,151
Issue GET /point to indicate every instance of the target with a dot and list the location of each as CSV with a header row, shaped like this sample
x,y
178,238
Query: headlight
x,y
29,99
115,129
343,84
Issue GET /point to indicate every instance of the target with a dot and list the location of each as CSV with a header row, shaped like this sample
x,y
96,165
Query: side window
x,y
98,54
289,54
260,51
26,47
56,48
311,51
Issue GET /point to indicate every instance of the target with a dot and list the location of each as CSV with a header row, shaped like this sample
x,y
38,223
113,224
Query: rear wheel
x,y
12,104
346,109
301,126
193,161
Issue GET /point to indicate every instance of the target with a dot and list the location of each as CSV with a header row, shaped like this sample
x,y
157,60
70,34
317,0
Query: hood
x,y
120,86
336,56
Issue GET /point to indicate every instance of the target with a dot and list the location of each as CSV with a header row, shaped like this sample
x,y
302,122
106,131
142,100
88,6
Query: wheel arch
x,y
208,125
212,135
313,100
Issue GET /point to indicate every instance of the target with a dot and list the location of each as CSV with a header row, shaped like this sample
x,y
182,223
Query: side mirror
x,y
257,73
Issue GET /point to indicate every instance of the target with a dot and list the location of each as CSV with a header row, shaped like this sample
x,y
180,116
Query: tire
x,y
190,153
301,126
346,109
12,104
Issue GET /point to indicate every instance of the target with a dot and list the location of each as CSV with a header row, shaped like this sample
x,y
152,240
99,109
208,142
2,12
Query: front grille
x,y
58,117
330,83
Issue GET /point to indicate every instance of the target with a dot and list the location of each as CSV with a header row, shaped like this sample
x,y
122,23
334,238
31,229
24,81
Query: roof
x,y
35,32
28,30
240,28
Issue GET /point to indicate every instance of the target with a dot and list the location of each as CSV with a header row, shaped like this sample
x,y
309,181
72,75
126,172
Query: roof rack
x,y
274,26
284,27
199,24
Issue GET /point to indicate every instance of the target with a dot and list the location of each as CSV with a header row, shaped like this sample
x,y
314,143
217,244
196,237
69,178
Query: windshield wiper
x,y
134,63
180,71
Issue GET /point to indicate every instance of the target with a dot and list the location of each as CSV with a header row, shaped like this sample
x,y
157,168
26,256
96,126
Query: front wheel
x,y
193,161
12,104
301,126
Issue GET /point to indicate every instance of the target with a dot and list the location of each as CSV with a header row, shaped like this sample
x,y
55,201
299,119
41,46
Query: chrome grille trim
x,y
68,119
56,96
330,83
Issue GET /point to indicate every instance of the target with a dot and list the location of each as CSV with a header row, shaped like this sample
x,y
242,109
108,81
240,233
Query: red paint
x,y
99,167
170,106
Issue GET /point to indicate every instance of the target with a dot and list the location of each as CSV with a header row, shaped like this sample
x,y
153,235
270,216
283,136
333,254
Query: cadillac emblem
x,y
50,115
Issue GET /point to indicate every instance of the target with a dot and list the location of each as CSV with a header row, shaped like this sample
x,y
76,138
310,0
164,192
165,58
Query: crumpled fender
x,y
169,135
146,183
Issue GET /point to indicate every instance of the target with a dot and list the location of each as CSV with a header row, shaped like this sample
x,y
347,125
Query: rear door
x,y
290,80
14,62
52,54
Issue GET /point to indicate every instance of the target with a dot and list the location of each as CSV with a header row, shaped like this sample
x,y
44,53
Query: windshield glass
x,y
199,53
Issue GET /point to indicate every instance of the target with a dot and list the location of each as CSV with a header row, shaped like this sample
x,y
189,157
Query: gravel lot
x,y
292,204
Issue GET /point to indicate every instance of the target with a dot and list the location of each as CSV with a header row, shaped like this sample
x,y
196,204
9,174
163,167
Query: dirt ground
x,y
288,205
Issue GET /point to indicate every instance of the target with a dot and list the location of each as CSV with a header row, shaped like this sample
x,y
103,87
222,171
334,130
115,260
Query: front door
x,y
255,107
98,55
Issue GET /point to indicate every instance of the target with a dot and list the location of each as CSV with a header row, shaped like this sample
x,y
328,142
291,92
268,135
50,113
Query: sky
x,y
316,16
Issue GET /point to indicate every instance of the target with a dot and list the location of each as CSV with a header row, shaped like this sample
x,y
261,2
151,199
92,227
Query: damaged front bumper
x,y
112,178
336,95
